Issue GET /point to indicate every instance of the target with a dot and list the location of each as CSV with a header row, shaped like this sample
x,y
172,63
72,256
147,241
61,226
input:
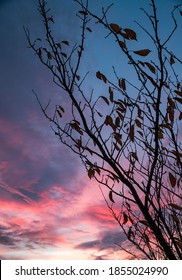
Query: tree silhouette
x,y
129,138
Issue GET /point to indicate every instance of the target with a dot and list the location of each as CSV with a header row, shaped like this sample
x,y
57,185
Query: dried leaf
x,y
101,76
111,94
60,115
171,102
175,206
111,196
138,123
143,52
131,133
122,44
65,42
172,179
49,56
90,30
144,222
178,92
91,173
172,61
105,99
83,13
151,67
131,34
64,54
115,27
178,99
125,218
122,84
175,218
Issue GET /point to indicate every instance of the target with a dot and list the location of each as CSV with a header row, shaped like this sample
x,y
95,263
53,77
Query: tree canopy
x,y
128,138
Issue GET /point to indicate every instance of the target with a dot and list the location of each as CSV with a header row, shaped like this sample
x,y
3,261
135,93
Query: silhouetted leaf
x,y
111,196
138,123
111,94
65,42
125,218
175,218
178,92
179,243
115,27
171,102
131,34
178,99
122,44
64,54
122,84
172,179
150,66
101,76
131,133
49,56
105,99
60,115
88,28
61,108
143,52
175,206
172,61
91,173
83,13
144,222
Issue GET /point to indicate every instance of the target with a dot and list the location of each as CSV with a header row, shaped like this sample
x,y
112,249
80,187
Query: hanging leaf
x,y
178,99
49,56
172,61
144,222
151,67
138,123
131,34
131,133
143,52
175,218
101,76
64,54
65,42
90,30
122,44
178,92
117,122
125,218
124,35
91,173
172,179
105,99
175,206
160,135
171,103
111,94
60,115
115,27
122,84
61,108
83,13
111,196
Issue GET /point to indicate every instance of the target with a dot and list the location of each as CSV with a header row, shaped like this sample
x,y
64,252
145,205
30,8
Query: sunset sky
x,y
49,208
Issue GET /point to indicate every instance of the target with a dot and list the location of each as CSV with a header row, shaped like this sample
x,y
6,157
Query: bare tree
x,y
129,138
